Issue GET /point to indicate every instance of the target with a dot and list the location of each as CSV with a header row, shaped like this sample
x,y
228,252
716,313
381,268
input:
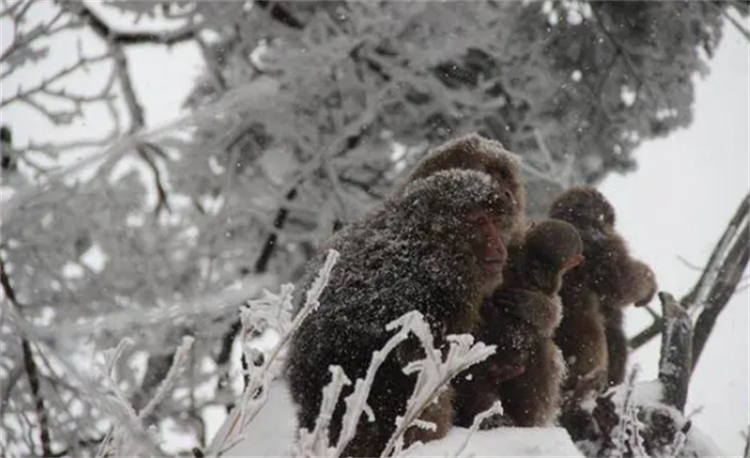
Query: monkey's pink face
x,y
487,245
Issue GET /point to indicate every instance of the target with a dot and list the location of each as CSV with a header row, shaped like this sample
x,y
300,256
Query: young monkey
x,y
520,318
591,334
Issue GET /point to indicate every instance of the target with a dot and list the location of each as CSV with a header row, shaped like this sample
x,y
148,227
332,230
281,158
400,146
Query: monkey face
x,y
488,248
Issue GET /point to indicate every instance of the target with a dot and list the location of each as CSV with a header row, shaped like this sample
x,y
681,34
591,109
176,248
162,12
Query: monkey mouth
x,y
494,261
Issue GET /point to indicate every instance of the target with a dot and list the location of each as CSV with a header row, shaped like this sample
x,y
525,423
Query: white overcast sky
x,y
685,191
677,203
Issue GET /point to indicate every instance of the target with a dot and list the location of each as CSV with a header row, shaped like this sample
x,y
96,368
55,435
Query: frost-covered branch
x,y
30,44
129,436
270,312
495,409
315,443
434,375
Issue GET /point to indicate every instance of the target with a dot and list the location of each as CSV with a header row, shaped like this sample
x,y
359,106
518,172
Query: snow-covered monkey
x,y
434,248
474,152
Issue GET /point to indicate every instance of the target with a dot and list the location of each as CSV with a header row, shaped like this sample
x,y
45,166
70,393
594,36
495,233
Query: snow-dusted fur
x,y
412,254
474,152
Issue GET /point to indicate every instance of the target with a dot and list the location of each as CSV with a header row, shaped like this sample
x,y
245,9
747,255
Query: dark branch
x,y
261,264
723,290
162,200
676,352
713,265
32,371
280,14
116,37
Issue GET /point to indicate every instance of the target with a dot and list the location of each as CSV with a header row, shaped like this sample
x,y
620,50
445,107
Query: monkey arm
x,y
645,283
538,310
636,285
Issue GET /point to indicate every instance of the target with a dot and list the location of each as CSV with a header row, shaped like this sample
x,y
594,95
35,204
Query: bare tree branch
x,y
726,283
116,37
32,371
732,20
676,352
719,278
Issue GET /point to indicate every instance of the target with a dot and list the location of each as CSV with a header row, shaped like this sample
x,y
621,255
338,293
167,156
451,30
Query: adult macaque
x,y
434,248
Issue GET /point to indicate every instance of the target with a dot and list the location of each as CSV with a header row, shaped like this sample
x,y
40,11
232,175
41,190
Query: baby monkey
x,y
520,318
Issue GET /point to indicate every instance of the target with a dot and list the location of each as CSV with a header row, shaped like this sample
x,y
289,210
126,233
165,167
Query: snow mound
x,y
272,433
501,442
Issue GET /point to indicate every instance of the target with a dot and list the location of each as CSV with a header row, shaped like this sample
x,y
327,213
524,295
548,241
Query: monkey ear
x,y
572,261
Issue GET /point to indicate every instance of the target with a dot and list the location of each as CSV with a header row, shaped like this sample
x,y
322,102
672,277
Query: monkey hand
x,y
647,284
